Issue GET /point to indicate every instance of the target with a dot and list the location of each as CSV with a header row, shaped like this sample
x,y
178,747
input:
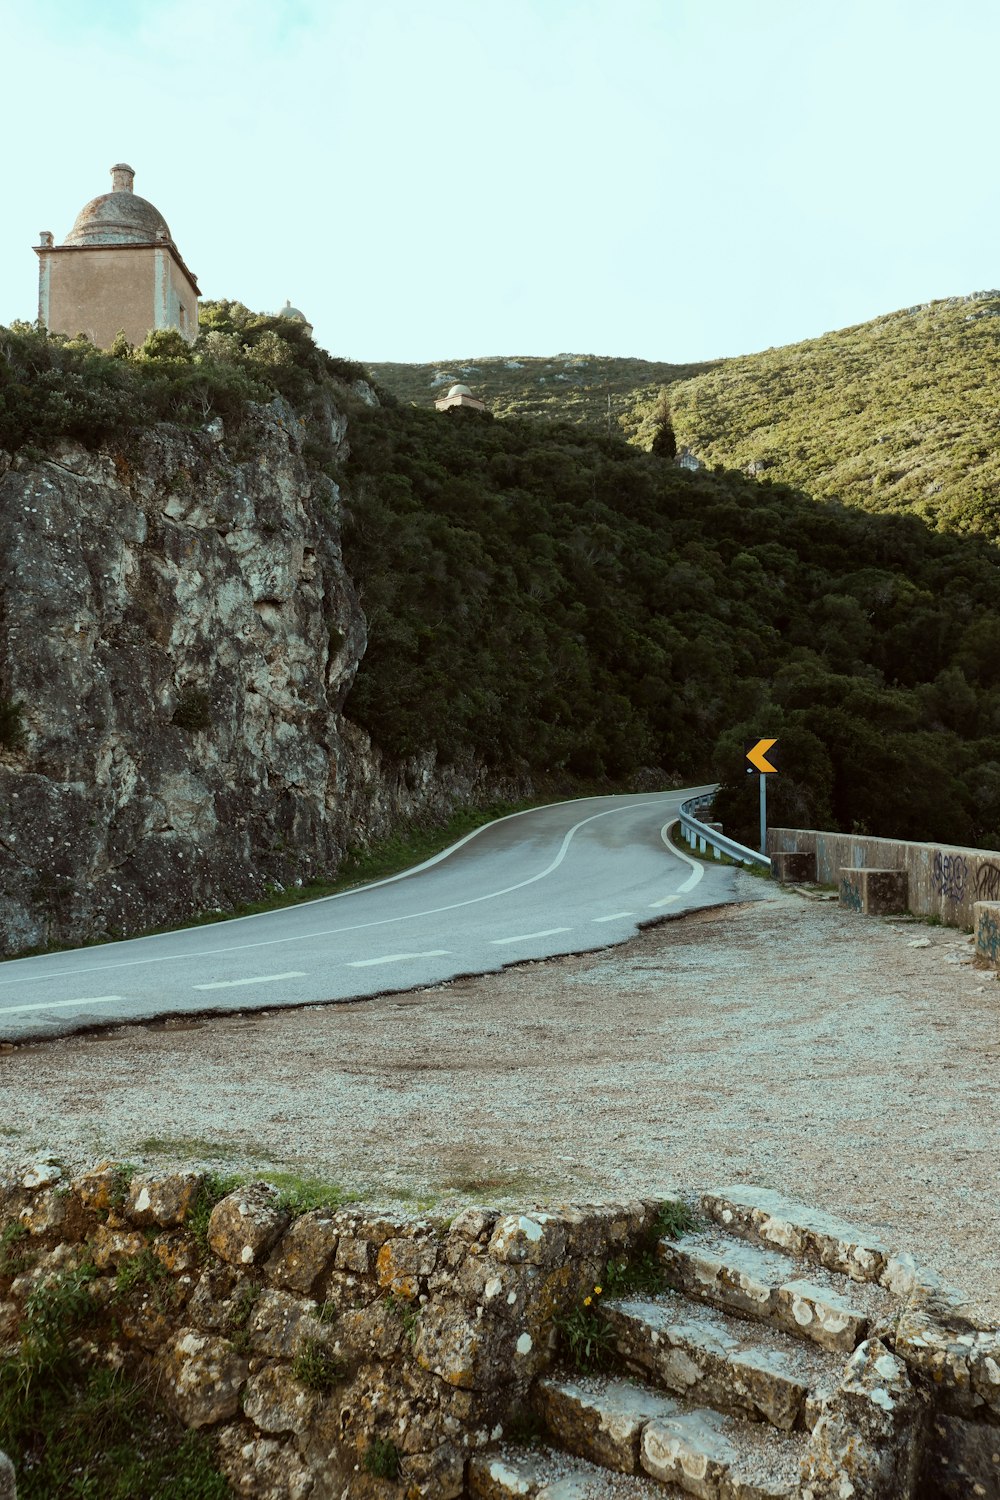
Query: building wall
x,y
176,301
99,290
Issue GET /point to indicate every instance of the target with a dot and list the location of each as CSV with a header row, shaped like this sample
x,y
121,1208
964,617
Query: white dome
x,y
460,390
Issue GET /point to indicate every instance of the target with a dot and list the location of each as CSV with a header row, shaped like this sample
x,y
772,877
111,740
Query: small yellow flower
x,y
587,1301
597,1290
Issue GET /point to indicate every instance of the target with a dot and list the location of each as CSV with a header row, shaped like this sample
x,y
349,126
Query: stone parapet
x,y
943,880
986,927
789,867
874,893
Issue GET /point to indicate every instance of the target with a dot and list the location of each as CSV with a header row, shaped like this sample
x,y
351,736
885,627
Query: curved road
x,y
561,879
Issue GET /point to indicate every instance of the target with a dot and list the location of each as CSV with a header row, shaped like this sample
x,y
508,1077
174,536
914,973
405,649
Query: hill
x,y
900,414
565,387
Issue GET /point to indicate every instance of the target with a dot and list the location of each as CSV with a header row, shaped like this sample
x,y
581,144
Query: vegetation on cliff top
x,y
556,602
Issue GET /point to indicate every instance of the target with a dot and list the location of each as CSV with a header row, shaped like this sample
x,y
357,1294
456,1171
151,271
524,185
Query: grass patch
x,y
13,1259
317,1367
82,1434
145,1270
211,1190
297,1195
382,1459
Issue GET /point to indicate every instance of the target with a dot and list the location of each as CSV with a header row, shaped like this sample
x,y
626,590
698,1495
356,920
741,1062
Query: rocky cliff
x,y
178,627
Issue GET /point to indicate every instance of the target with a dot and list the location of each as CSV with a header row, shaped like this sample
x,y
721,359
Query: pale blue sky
x,y
674,179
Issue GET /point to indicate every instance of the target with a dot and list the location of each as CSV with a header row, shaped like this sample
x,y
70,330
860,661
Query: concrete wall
x,y
945,880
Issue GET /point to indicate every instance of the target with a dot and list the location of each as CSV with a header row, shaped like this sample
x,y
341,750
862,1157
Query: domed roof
x,y
120,217
295,313
460,390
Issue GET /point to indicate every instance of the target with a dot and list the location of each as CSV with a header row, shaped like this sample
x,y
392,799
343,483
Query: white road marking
x,y
526,937
665,901
698,869
60,1004
332,931
232,984
614,916
396,958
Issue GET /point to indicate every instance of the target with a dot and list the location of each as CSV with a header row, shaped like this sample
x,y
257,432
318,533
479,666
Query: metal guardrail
x,y
706,837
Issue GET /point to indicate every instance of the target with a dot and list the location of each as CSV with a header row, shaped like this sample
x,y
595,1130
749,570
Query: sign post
x,y
761,756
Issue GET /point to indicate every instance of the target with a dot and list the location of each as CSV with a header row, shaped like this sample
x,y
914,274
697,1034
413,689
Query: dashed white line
x,y
232,984
61,1004
527,937
612,916
397,958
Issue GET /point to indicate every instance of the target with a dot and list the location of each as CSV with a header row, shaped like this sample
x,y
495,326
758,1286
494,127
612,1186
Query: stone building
x,y
459,395
296,315
117,269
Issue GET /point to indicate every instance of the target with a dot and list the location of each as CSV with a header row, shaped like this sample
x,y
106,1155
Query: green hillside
x,y
900,414
568,387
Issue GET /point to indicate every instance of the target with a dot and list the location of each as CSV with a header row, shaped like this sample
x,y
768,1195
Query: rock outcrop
x,y
177,625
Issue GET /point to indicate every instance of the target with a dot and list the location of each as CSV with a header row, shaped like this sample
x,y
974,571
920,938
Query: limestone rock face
x,y
179,628
203,1377
8,1490
867,1442
245,1225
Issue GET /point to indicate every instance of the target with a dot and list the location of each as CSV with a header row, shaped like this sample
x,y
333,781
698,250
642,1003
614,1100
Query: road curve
x,y
566,878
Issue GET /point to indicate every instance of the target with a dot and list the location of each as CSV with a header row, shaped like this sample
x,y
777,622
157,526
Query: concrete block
x,y
875,893
986,926
791,867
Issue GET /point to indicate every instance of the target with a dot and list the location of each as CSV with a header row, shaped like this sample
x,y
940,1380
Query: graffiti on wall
x,y
988,938
949,875
850,894
988,882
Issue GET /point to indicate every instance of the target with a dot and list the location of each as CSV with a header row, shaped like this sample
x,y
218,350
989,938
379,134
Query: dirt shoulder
x,y
849,1062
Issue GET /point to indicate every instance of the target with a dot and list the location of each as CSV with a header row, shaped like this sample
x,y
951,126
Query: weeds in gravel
x,y
382,1459
673,1219
641,1273
584,1333
297,1195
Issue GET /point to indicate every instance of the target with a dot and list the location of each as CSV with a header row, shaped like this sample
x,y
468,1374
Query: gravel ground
x,y
849,1062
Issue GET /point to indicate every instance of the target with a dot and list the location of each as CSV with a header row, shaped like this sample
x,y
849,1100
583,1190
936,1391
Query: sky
x,y
665,179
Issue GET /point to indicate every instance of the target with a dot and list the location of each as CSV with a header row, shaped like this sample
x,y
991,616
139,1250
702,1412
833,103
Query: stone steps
x,y
767,1218
724,1361
774,1287
636,1430
510,1473
761,1375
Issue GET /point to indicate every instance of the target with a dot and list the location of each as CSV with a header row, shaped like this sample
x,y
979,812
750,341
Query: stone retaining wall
x,y
428,1335
944,880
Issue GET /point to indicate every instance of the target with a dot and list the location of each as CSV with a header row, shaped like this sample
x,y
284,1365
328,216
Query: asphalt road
x,y
567,878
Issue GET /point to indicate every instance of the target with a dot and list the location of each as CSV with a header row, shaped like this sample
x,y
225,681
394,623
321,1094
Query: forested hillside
x,y
546,598
899,414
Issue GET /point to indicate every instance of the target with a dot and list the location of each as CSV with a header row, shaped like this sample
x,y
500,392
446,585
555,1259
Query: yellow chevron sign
x,y
756,752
